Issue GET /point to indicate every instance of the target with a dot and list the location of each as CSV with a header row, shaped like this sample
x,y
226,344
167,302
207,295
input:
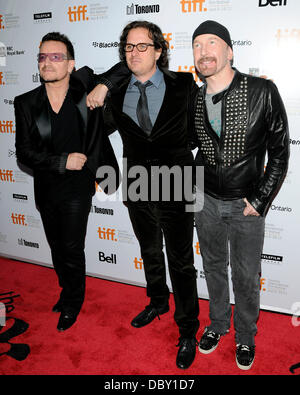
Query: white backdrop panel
x,y
266,37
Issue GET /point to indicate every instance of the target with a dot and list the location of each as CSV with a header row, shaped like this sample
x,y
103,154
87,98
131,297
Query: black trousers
x,y
65,224
151,222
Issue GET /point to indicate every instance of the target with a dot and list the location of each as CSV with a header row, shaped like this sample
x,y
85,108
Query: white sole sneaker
x,y
208,351
244,367
246,349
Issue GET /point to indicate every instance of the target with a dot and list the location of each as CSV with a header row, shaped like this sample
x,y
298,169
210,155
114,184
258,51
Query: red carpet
x,y
103,342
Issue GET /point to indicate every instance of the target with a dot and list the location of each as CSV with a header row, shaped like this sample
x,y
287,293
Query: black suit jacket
x,y
169,139
33,131
168,143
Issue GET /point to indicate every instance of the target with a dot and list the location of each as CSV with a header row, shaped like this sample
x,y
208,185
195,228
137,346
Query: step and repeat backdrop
x,y
266,42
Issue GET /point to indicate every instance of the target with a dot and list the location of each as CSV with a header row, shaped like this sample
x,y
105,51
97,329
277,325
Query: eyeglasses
x,y
53,57
141,47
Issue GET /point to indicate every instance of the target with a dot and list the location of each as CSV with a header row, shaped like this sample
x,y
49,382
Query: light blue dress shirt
x,y
155,95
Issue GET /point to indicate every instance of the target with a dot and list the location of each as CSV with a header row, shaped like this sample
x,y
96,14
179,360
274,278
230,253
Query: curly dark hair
x,y
155,34
56,36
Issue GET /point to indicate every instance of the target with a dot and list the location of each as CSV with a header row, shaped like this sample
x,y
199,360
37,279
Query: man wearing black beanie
x,y
238,119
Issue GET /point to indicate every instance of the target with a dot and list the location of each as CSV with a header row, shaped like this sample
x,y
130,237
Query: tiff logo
x,y
6,127
1,79
6,175
18,219
106,234
1,22
189,69
193,6
78,13
197,248
138,263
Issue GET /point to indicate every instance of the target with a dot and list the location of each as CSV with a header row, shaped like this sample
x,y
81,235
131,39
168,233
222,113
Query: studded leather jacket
x,y
254,123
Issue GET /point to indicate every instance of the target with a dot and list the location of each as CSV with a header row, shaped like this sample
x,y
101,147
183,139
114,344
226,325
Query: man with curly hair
x,y
150,111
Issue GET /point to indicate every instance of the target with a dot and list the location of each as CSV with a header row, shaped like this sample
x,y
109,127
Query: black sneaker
x,y
209,341
244,356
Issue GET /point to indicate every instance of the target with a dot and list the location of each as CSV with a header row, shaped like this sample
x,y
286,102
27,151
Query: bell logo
x,y
106,234
1,79
273,3
1,22
6,127
108,259
138,263
18,219
6,176
192,6
78,13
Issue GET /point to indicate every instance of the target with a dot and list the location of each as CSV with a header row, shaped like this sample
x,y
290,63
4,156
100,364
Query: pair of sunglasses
x,y
53,57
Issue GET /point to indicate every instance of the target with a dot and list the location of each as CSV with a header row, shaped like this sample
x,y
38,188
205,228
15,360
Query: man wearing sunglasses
x,y
150,111
62,141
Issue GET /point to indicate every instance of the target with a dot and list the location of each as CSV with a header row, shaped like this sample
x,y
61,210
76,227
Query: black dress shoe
x,y
17,351
186,353
57,308
148,315
66,320
17,329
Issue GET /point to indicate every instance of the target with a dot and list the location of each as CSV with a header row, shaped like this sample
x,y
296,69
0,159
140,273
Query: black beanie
x,y
212,27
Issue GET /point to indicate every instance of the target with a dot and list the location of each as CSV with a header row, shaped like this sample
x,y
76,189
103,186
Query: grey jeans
x,y
226,237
